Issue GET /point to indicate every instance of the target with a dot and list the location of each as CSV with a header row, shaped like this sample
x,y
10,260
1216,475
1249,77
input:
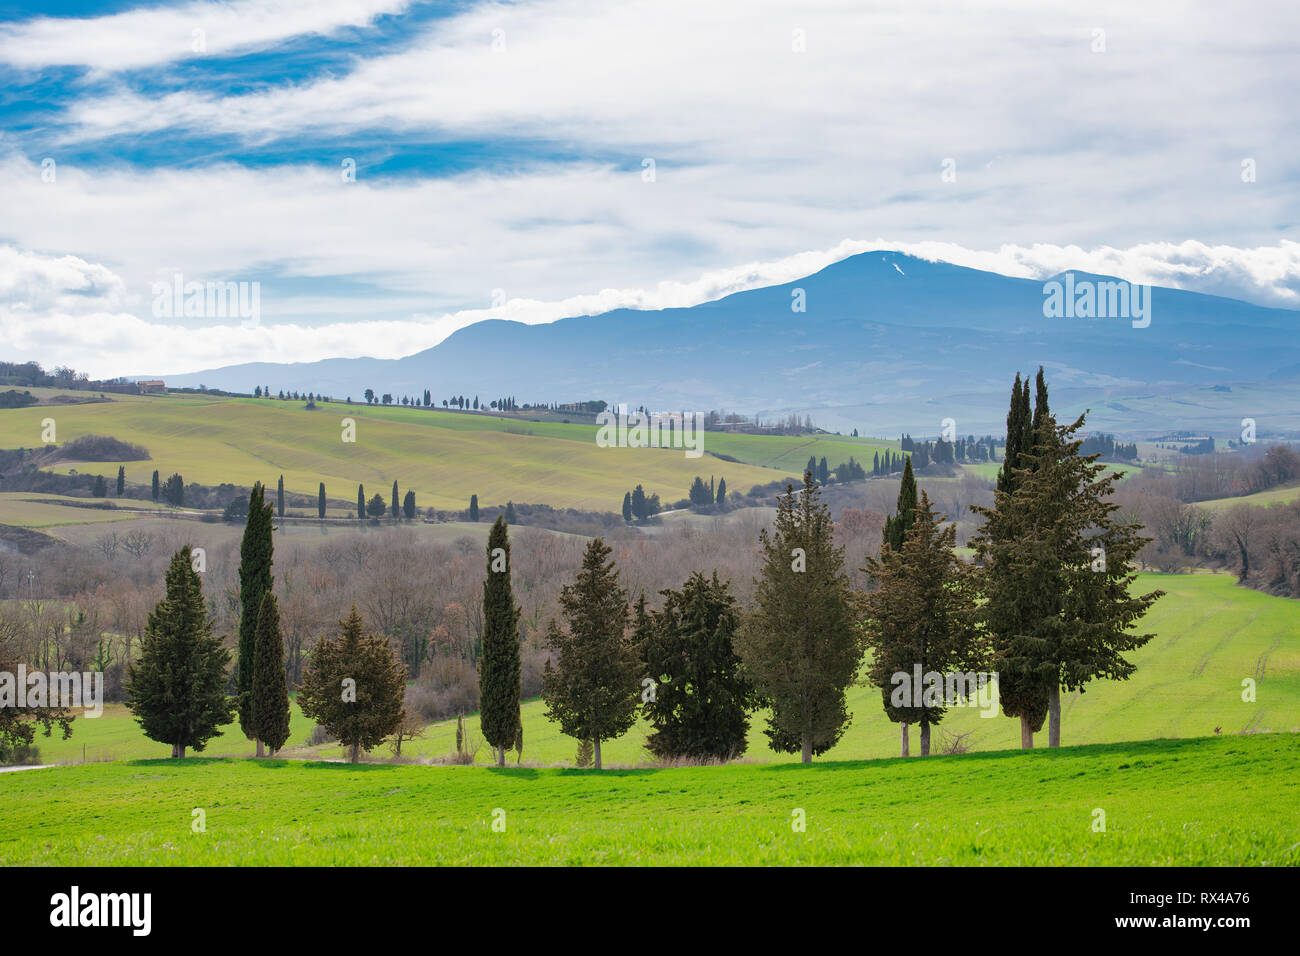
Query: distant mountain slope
x,y
886,343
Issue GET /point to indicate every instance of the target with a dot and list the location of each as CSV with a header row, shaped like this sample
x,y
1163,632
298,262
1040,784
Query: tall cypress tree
x,y
895,532
1023,688
361,502
627,506
900,522
255,559
473,507
395,508
177,686
800,645
499,669
593,689
270,707
155,484
320,501
121,480
1058,572
279,500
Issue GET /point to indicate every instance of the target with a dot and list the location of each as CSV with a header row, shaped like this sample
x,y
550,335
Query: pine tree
x,y
361,502
593,689
702,699
270,697
376,508
799,644
121,480
473,507
155,484
256,555
177,686
320,501
354,687
499,666
922,617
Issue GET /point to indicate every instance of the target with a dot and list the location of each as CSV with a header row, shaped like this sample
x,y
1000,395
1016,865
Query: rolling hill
x,y
443,456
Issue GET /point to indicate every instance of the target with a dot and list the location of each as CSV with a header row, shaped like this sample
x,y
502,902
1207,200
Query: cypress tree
x,y
279,500
354,687
900,522
256,554
408,505
270,699
155,484
320,501
177,686
823,472
473,507
499,667
800,645
593,689
702,698
395,507
922,614
1058,572
121,480
627,506
722,492
510,512
1023,686
361,502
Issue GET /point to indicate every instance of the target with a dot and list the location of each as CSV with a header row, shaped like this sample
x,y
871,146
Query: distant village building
x,y
153,387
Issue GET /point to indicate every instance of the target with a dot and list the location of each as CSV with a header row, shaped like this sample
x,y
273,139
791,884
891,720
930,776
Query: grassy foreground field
x,y
1217,801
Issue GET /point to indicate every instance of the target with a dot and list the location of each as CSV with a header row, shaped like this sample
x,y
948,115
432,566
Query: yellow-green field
x,y
444,457
1283,494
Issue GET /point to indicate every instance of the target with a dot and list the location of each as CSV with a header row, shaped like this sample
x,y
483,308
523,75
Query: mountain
x,y
886,343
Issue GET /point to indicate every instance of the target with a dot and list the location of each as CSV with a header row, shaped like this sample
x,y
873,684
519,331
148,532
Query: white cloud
x,y
150,36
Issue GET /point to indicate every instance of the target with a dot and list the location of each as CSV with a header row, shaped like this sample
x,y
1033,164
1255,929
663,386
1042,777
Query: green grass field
x,y
1219,801
1210,635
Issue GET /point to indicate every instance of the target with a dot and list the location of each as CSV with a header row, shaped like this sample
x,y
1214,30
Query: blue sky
x,y
502,155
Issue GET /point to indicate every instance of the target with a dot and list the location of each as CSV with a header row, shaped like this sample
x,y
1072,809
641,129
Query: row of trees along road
x,y
1047,604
